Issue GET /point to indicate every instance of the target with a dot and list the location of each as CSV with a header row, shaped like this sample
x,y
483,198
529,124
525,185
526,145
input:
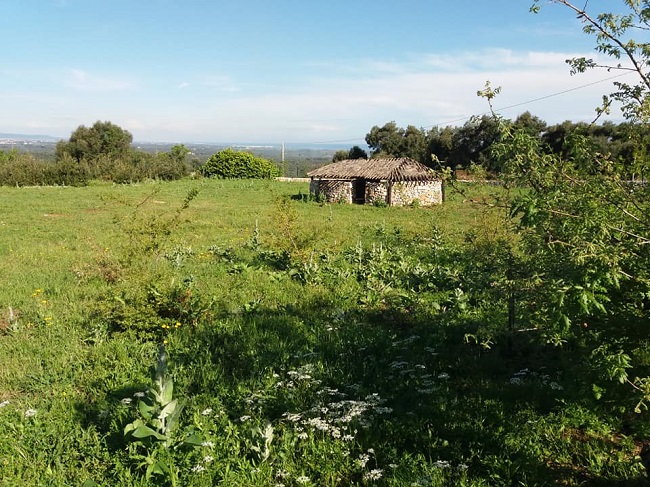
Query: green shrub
x,y
230,164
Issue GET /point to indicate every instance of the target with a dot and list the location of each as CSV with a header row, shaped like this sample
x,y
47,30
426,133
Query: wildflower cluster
x,y
524,376
42,306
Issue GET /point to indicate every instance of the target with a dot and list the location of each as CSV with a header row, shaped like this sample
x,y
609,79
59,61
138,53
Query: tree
x,y
238,165
530,123
472,141
614,38
179,153
393,141
357,152
340,155
441,145
583,225
103,138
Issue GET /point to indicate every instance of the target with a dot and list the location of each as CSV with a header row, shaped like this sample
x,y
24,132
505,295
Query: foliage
x,y
229,164
340,155
393,141
155,433
614,34
583,221
103,138
355,152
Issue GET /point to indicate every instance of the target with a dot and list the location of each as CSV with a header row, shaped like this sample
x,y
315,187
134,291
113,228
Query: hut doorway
x,y
359,191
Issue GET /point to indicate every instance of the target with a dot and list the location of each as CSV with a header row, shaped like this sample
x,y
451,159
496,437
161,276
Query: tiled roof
x,y
396,169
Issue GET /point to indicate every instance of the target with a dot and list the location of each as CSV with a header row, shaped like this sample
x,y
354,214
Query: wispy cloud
x,y
418,95
81,80
335,103
220,83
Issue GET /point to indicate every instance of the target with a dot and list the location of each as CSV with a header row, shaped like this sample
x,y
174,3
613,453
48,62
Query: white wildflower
x,y
30,412
442,464
374,474
206,412
383,410
362,460
126,400
462,467
207,459
198,468
293,417
443,375
208,444
318,423
303,436
4,403
303,479
139,394
244,418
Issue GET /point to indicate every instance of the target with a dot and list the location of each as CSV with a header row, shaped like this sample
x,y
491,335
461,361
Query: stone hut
x,y
395,181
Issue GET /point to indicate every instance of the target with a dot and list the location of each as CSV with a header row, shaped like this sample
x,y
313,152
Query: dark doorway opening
x,y
359,190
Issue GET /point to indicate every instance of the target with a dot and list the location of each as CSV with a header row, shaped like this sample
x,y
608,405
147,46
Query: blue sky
x,y
283,70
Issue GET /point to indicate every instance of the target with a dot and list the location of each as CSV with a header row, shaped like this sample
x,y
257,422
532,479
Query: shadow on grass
x,y
507,413
502,412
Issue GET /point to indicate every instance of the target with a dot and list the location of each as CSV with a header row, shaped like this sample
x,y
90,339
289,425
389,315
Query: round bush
x,y
238,165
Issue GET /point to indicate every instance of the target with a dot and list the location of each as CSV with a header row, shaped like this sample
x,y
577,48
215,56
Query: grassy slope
x,y
65,250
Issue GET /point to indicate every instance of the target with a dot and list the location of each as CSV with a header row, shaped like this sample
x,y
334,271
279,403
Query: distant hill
x,y
29,137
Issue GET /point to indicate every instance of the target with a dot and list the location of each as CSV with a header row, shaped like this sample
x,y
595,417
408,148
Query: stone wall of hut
x,y
376,191
426,193
333,191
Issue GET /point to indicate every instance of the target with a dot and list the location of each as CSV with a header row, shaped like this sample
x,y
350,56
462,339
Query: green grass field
x,y
307,344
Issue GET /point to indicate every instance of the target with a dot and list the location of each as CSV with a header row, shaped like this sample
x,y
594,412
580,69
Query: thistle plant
x,y
154,434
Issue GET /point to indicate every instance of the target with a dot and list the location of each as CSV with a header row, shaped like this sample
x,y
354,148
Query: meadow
x,y
220,332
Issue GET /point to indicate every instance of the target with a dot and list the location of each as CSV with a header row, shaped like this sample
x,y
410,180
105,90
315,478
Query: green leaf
x,y
167,410
167,391
193,440
598,391
144,431
156,468
132,426
145,409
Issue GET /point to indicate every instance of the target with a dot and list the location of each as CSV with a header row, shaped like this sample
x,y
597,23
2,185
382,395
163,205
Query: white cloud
x,y
411,94
334,103
81,80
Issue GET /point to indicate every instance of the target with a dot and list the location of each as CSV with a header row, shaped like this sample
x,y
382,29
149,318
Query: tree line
x,y
471,144
104,152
